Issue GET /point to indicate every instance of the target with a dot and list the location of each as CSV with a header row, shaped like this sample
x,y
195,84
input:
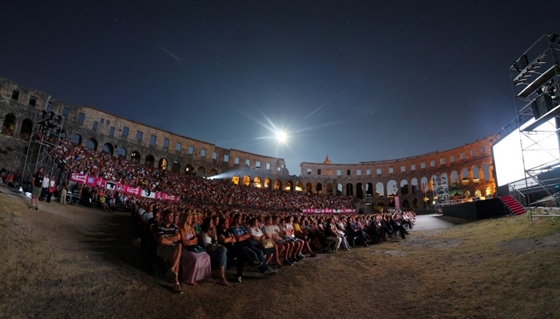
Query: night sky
x,y
359,80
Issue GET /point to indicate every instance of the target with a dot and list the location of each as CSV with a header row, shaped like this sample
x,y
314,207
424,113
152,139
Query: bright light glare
x,y
281,136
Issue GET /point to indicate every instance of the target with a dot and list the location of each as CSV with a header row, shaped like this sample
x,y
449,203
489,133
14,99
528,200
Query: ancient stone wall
x,y
468,169
119,136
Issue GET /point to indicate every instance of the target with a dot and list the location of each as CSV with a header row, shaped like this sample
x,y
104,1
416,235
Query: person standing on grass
x,y
63,192
37,183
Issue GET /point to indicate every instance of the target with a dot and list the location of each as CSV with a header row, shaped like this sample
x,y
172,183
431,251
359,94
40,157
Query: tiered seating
x,y
513,205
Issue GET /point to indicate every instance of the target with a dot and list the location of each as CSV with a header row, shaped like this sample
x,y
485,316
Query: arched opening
x,y
349,189
76,139
267,183
277,185
176,166
414,183
9,125
329,190
135,157
213,172
379,190
257,182
288,186
454,179
121,152
475,174
369,189
107,149
392,189
201,170
235,180
189,169
404,187
319,188
359,191
149,161
339,189
415,203
26,129
465,176
485,172
246,180
380,206
91,144
425,188
299,187
309,188
162,164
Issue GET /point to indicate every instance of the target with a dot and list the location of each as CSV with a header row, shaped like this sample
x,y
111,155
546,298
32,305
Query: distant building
x,y
468,168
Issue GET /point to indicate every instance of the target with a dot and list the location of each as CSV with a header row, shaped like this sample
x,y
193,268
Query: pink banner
x,y
99,182
329,211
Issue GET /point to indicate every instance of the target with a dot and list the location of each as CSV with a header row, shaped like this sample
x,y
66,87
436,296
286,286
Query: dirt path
x,y
77,262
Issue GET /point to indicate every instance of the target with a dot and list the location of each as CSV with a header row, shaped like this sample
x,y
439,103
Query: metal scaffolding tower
x,y
535,78
47,131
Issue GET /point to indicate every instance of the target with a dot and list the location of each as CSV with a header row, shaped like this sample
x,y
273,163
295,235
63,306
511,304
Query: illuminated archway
x,y
162,164
257,182
246,180
135,157
288,186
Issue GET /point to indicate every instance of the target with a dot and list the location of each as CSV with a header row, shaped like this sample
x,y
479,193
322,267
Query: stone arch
x,y
277,185
432,180
465,176
76,139
189,169
213,172
359,191
329,188
392,188
149,161
91,144
135,157
380,206
299,186
477,193
404,187
288,186
380,189
415,203
475,175
235,180
486,172
454,179
176,166
309,188
257,182
425,185
339,189
414,183
121,152
319,188
163,163
349,189
246,180
26,129
9,125
369,189
267,183
201,170
107,149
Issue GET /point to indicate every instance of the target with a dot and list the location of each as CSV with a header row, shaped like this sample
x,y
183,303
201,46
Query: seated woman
x,y
195,265
258,237
333,234
209,240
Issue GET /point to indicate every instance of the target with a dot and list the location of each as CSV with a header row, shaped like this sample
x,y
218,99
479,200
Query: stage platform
x,y
478,209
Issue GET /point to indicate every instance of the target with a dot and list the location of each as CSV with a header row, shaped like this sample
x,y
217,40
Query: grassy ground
x,y
71,261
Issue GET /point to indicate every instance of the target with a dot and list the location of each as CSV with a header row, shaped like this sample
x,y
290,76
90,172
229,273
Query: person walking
x,y
37,183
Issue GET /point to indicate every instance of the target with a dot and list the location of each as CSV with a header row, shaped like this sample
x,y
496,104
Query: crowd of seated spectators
x,y
219,223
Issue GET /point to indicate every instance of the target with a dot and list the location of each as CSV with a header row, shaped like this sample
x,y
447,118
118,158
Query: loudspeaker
x,y
541,105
